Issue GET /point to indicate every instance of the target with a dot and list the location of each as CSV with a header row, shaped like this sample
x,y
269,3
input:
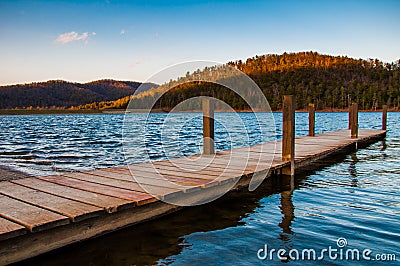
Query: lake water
x,y
50,144
353,196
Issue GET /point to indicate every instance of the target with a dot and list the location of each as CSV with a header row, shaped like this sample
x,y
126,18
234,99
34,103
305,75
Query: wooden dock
x,y
41,214
44,213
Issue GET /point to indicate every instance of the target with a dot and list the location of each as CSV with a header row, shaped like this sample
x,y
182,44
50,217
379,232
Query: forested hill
x,y
330,82
59,93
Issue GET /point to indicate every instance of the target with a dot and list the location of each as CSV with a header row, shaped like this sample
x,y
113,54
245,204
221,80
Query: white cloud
x,y
71,37
122,32
135,63
94,33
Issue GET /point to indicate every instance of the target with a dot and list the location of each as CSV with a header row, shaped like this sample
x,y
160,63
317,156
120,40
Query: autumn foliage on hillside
x,y
330,82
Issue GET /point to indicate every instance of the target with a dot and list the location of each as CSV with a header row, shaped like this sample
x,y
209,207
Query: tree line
x,y
56,94
330,82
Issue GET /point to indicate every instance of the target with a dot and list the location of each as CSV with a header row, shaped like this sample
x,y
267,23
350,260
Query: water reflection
x,y
353,169
384,146
287,209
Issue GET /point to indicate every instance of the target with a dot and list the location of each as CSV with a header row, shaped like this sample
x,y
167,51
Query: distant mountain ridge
x,y
60,93
330,82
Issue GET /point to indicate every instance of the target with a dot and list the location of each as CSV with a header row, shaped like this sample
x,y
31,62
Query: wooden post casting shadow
x,y
350,115
311,119
288,130
208,125
384,117
354,121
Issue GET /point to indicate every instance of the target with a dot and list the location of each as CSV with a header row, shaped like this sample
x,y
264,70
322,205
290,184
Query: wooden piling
x,y
288,130
311,119
354,120
350,115
384,117
208,126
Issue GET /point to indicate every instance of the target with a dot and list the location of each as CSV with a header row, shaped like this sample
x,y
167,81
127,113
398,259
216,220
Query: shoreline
x,y
46,112
123,111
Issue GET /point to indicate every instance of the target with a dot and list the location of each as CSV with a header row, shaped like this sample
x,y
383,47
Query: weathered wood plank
x,y
125,173
225,168
10,229
109,204
31,217
214,166
74,210
177,177
205,175
154,179
194,176
138,197
241,163
162,192
369,133
209,182
202,174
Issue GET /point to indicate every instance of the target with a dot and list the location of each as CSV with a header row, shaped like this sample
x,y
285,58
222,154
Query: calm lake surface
x,y
353,196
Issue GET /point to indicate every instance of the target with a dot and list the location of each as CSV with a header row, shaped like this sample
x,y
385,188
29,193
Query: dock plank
x,y
202,177
32,217
238,164
157,179
207,179
162,192
212,167
10,229
109,204
140,170
74,210
139,198
209,167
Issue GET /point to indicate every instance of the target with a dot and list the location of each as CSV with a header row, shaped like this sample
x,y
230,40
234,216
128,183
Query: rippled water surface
x,y
354,196
47,144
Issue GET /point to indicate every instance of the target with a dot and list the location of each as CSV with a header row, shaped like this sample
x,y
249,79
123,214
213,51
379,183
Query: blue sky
x,y
132,40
